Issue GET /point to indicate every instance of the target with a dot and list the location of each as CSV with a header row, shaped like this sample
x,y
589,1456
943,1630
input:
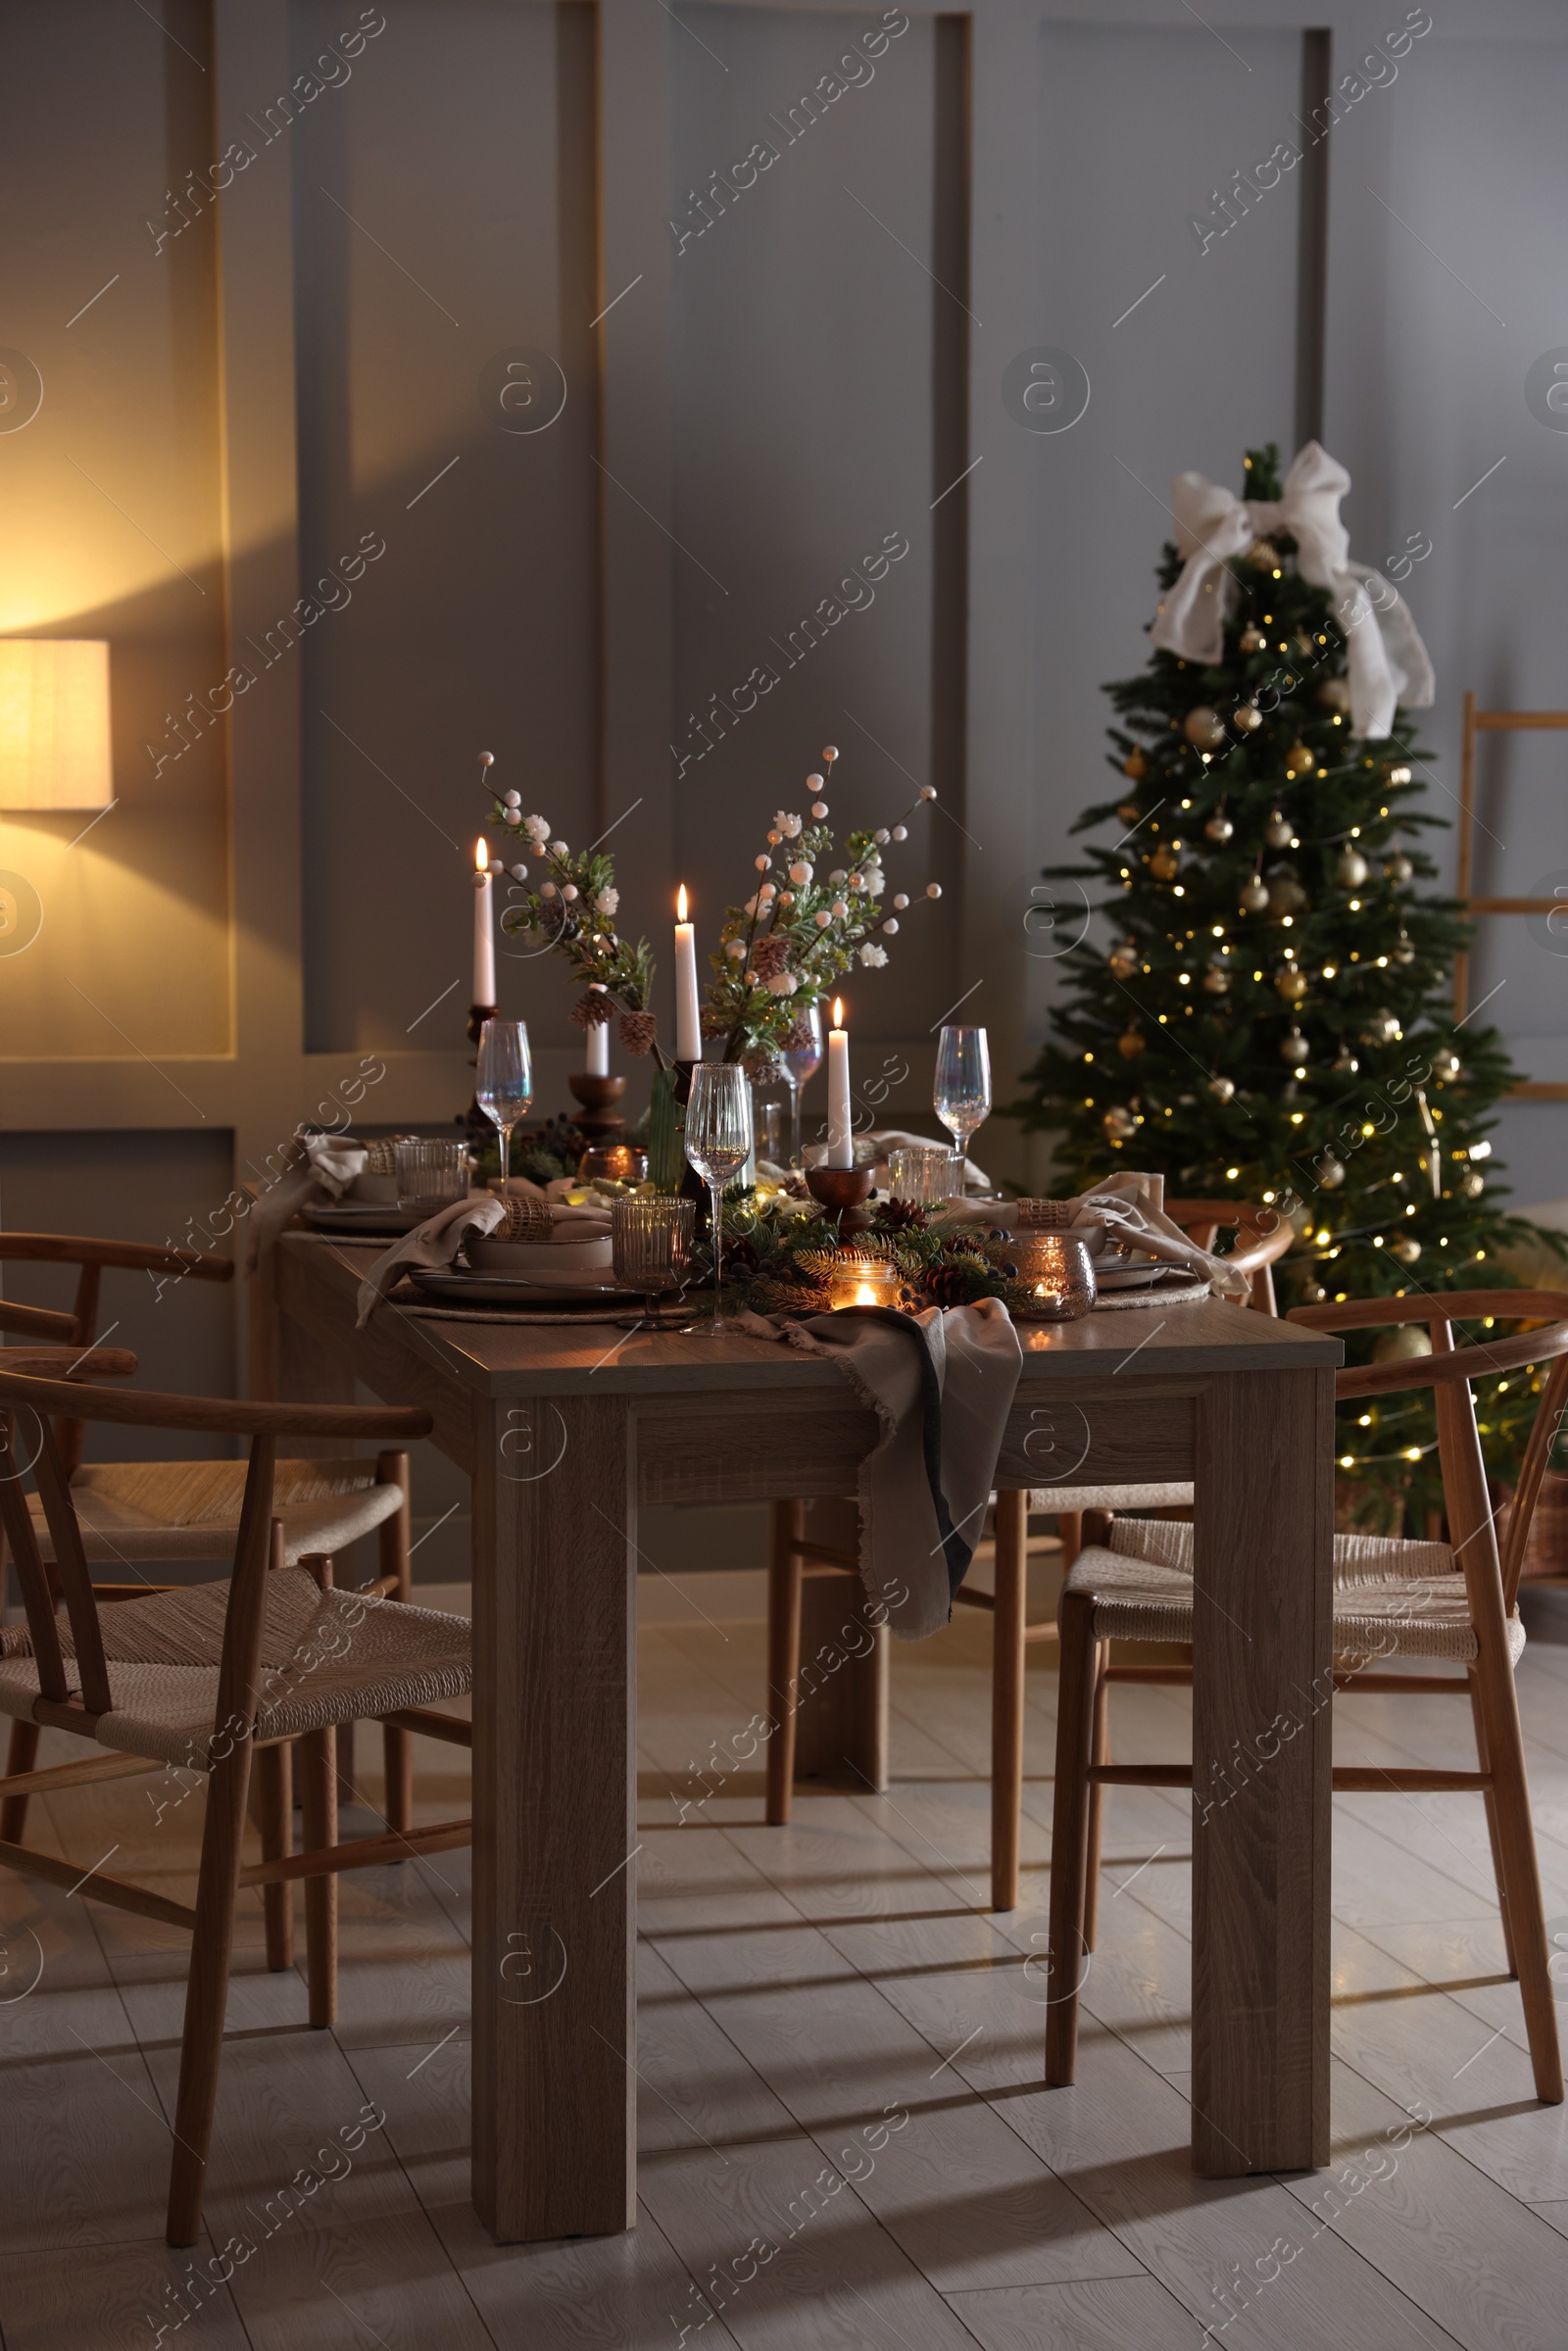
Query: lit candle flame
x,y
680,903
865,1296
838,1011
481,858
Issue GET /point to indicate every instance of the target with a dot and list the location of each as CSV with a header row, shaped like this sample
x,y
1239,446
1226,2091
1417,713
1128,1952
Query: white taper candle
x,y
484,938
840,1138
688,1013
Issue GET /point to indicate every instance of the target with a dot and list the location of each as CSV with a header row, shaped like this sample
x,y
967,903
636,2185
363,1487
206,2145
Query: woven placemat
x,y
1174,1289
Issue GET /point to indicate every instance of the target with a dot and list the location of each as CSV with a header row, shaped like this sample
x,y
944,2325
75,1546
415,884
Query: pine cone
x,y
948,1285
800,1038
741,1261
638,1031
768,956
899,1216
592,1011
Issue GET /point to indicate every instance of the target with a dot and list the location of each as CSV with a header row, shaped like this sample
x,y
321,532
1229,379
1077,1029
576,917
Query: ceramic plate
x,y
1129,1277
461,1288
363,1216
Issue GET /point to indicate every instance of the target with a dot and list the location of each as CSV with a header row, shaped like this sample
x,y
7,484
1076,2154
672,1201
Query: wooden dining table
x,y
565,1431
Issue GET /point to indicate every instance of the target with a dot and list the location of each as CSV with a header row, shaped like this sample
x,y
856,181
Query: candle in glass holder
x,y
1059,1272
864,1282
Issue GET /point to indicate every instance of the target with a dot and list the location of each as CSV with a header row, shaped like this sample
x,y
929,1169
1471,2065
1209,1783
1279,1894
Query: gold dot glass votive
x,y
650,1237
864,1282
1058,1271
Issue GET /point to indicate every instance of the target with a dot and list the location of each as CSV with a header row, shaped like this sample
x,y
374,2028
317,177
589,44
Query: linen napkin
x,y
1119,1207
318,1169
941,1385
532,1214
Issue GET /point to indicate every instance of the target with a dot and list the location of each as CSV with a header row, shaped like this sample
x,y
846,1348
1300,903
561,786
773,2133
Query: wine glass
x,y
961,1097
718,1141
799,1066
505,1084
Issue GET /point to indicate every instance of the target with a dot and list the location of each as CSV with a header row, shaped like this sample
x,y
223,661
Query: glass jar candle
x,y
1059,1272
864,1282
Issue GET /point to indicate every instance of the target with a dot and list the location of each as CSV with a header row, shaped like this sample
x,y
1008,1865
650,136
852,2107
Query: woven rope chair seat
x,y
1175,1495
1390,1598
190,1509
327,1657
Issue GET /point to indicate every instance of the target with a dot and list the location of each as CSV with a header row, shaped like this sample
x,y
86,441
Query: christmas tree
x,y
1273,1021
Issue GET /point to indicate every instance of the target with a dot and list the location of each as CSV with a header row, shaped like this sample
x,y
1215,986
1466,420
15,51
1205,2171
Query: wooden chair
x,y
198,1676
1449,1600
1262,1237
154,1511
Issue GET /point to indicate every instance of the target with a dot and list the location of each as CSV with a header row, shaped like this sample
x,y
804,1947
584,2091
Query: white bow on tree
x,y
1388,661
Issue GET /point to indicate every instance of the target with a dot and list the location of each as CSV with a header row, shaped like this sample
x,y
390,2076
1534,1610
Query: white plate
x,y
1130,1277
500,1289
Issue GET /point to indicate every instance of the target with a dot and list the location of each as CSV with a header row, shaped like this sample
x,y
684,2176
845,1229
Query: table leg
x,y
1261,1759
554,1818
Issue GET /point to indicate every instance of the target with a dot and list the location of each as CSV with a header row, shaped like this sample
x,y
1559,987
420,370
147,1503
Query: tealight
x,y
1058,1271
864,1282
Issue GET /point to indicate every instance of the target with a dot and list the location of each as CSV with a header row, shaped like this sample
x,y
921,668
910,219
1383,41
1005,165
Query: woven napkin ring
x,y
525,1219
1043,1215
382,1156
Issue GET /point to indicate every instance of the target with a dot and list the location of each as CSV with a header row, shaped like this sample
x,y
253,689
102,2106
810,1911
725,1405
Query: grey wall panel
x,y
1137,126
129,1187
1445,287
444,209
808,349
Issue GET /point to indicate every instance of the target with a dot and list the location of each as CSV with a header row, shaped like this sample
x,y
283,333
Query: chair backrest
x,y
91,1255
1262,1235
1492,1581
28,1407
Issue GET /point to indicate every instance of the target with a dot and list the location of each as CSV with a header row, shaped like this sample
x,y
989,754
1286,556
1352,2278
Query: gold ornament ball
x,y
1218,828
1330,1172
1398,869
1217,980
1473,1185
1252,638
1446,1064
1291,984
1381,1029
1264,553
1404,949
1247,718
1279,830
1349,869
1407,1248
1135,765
1405,1341
1131,1043
1222,1089
1293,1046
1204,728
1127,814
1123,963
1120,1126
1335,694
1299,759
1164,865
1286,894
1313,1293
1345,1064
1255,894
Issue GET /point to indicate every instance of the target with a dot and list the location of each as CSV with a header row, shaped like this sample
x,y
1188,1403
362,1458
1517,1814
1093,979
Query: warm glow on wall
x,y
54,723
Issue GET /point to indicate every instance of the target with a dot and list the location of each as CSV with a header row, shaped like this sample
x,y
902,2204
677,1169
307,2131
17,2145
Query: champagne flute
x,y
800,1065
718,1141
505,1084
961,1096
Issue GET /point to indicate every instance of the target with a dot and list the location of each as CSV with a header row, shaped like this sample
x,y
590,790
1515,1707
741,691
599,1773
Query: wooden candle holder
x,y
842,1192
597,1121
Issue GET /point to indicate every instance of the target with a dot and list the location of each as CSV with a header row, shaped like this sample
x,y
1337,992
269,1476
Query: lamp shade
x,y
54,723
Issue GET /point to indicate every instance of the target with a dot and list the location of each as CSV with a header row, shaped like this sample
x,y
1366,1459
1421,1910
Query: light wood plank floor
x,y
843,2139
